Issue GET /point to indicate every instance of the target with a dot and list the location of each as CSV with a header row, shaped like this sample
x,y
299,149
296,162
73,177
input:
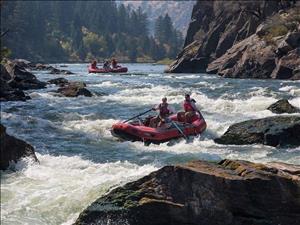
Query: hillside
x,y
179,11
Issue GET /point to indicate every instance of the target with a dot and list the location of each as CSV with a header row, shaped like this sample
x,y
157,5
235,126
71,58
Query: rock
x,y
278,131
58,81
57,71
21,78
232,192
218,28
13,149
250,58
23,63
286,65
293,39
40,66
7,93
74,89
282,106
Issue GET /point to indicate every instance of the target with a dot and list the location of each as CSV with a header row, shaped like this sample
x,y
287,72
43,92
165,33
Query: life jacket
x,y
188,107
163,109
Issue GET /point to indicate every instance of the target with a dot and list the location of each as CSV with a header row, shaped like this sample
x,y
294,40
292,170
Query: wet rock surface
x,y
21,78
74,89
58,81
231,192
14,79
278,131
13,149
283,106
58,71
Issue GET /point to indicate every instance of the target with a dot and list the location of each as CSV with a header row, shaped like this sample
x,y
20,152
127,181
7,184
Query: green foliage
x,y
83,30
5,53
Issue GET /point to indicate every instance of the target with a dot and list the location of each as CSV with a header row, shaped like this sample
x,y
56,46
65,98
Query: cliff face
x,y
218,26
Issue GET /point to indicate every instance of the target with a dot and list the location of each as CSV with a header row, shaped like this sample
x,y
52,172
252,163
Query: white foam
x,y
106,84
92,128
59,188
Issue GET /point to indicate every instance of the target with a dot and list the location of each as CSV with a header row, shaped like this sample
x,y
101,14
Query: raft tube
x,y
136,132
112,70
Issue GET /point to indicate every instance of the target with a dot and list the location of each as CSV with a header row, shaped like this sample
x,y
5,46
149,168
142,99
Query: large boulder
x,y
74,89
283,106
13,149
278,131
232,192
7,93
21,78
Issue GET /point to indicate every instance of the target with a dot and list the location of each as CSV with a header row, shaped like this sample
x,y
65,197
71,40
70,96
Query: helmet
x,y
164,99
187,95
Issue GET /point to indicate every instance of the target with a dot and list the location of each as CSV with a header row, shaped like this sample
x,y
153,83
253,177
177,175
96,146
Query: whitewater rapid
x,y
80,160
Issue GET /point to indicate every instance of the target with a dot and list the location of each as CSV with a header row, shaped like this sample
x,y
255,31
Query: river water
x,y
80,160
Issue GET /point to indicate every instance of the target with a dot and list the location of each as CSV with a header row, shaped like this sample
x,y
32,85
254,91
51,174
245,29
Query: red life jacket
x,y
163,109
188,107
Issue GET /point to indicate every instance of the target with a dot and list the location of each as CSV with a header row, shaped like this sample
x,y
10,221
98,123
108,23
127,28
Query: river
x,y
79,158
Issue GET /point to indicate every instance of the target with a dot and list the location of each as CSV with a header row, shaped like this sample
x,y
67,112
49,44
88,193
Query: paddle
x,y
178,128
137,116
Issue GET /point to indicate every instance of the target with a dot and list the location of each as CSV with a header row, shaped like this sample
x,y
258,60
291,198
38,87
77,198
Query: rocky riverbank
x,y
229,192
238,39
16,78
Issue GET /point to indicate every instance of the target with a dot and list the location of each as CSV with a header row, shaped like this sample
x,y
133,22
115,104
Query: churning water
x,y
80,160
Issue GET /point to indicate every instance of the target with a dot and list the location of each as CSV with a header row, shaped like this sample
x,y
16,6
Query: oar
x,y
137,116
178,128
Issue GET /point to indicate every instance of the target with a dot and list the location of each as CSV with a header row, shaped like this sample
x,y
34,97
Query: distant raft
x,y
112,70
136,131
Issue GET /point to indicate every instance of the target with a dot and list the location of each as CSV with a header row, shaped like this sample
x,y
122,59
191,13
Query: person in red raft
x,y
114,63
94,65
164,111
190,110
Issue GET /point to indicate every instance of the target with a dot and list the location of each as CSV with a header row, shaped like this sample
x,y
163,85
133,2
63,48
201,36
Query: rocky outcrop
x,y
283,106
7,93
22,79
254,57
74,89
218,28
279,131
40,66
232,192
13,149
14,79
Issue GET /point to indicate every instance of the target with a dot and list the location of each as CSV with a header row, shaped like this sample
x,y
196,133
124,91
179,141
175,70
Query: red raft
x,y
136,131
112,70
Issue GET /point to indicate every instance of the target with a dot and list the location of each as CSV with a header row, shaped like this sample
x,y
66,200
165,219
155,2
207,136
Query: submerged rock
x,y
282,106
74,89
13,149
278,131
232,192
